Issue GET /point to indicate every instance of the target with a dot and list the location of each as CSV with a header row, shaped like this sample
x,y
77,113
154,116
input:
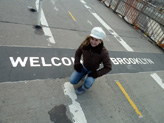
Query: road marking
x,y
118,38
157,79
75,108
44,22
71,15
54,4
89,22
129,99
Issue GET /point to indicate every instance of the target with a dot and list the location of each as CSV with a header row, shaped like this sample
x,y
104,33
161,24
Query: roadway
x,y
36,65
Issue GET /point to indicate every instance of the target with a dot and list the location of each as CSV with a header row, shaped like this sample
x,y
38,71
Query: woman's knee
x,y
89,82
73,81
76,77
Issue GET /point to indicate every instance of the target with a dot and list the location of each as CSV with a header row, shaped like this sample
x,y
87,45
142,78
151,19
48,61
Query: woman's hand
x,y
78,67
93,74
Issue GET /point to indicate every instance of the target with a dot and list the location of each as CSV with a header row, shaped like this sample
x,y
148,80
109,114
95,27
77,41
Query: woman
x,y
94,53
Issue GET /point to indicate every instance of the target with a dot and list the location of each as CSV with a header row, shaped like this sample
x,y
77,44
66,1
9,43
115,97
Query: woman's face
x,y
95,42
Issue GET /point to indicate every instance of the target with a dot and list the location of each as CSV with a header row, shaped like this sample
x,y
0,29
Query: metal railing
x,y
142,15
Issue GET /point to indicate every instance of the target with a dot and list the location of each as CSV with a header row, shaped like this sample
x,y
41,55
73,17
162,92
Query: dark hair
x,y
86,42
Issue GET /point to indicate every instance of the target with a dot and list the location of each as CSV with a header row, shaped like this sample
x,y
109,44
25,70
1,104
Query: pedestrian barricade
x,y
141,14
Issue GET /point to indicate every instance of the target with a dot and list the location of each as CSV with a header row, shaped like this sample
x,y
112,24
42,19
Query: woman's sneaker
x,y
80,90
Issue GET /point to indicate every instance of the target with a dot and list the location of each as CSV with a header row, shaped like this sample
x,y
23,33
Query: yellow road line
x,y
71,16
129,99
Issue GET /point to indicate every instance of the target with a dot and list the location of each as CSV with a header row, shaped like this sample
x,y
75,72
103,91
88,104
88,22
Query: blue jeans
x,y
77,76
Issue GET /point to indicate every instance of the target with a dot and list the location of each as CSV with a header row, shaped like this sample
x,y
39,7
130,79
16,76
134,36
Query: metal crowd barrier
x,y
142,15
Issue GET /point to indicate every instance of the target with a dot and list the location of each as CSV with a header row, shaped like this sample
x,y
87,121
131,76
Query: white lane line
x,y
157,79
75,108
44,22
118,38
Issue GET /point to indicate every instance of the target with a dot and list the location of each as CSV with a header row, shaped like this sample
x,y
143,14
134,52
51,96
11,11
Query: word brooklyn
x,y
118,61
56,61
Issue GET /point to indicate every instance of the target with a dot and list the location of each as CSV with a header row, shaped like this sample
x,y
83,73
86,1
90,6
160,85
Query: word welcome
x,y
56,61
41,61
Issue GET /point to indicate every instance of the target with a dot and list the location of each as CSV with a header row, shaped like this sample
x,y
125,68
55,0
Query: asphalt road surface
x,y
35,66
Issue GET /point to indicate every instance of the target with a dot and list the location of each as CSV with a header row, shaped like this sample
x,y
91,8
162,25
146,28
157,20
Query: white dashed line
x,y
157,79
118,38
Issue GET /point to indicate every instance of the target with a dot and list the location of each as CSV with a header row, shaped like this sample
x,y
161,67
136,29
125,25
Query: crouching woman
x,y
94,53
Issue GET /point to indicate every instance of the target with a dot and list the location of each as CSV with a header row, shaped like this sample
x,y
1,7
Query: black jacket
x,y
93,57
